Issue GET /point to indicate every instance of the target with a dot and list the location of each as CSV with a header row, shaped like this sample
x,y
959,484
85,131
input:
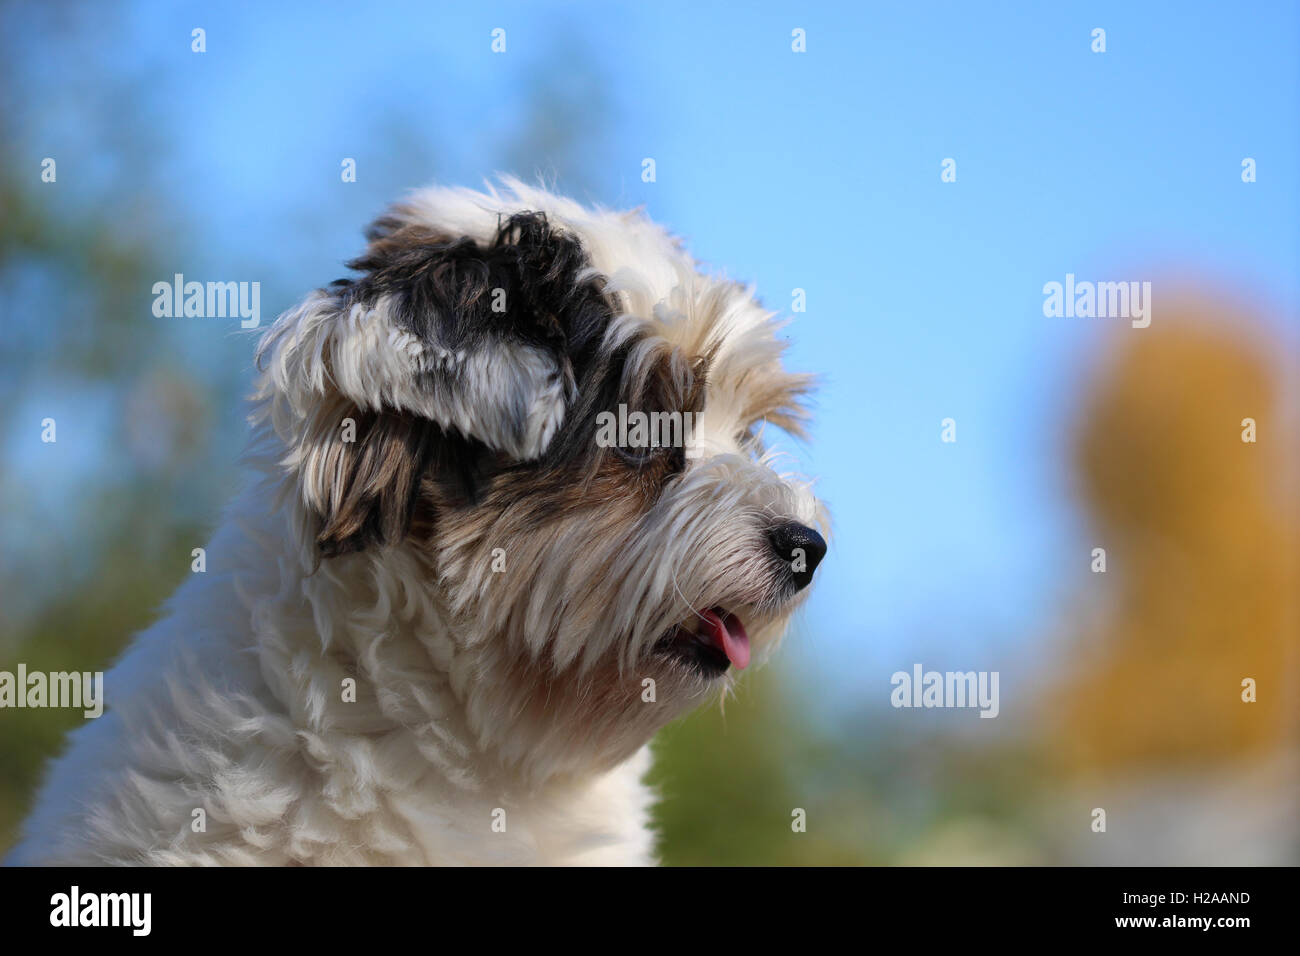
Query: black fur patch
x,y
443,289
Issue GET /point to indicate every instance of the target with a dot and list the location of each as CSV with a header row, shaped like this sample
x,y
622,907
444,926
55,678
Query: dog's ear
x,y
490,331
444,352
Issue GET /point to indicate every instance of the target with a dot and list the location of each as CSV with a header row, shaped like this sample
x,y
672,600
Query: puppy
x,y
511,513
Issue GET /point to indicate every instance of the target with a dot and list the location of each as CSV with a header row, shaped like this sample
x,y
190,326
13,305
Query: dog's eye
x,y
661,462
637,457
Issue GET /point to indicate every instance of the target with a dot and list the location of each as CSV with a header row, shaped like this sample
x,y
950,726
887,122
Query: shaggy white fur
x,y
500,714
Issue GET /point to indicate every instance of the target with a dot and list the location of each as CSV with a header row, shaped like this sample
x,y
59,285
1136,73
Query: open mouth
x,y
710,642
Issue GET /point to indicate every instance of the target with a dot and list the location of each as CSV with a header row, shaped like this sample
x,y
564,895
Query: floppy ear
x,y
443,350
489,333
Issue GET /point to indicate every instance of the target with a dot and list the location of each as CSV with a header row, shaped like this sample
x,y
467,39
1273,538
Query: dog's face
x,y
563,421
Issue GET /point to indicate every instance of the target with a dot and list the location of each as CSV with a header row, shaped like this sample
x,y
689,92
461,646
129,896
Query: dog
x,y
466,582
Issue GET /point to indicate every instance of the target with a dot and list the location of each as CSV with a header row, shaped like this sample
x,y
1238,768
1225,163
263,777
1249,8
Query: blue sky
x,y
819,171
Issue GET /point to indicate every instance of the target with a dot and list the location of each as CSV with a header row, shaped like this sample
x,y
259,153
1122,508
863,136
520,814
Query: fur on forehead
x,y
660,291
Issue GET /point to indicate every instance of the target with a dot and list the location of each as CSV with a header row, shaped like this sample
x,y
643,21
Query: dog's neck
x,y
400,668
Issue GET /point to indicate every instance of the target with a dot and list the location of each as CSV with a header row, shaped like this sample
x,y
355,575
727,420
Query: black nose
x,y
799,546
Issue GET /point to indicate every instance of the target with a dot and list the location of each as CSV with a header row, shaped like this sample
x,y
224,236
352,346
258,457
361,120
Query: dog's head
x,y
564,420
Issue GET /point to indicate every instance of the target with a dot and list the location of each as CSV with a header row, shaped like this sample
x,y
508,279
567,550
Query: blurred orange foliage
x,y
1200,534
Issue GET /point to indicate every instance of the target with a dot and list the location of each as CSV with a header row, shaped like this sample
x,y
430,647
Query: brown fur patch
x,y
372,491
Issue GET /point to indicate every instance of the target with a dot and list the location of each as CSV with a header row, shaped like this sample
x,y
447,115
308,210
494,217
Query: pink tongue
x,y
729,634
